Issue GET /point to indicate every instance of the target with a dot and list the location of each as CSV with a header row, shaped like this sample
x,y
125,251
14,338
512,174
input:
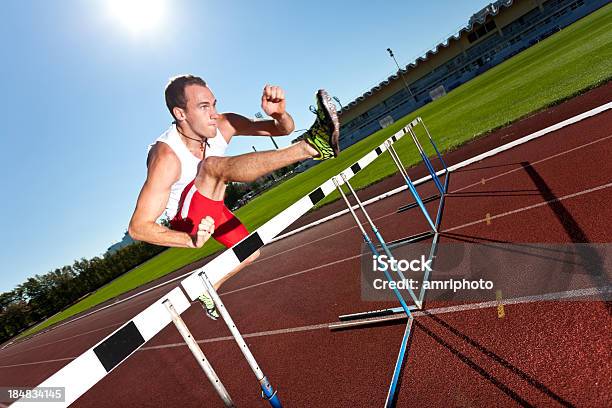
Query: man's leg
x,y
215,172
240,267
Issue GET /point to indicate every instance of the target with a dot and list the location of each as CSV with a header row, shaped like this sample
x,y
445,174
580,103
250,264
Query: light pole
x,y
338,100
399,70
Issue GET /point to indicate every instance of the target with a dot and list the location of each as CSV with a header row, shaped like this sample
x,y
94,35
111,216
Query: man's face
x,y
200,112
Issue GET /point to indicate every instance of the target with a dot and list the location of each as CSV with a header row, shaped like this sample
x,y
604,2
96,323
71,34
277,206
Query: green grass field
x,y
568,63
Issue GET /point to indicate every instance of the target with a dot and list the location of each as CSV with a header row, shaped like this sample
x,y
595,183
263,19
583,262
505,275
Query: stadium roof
x,y
477,18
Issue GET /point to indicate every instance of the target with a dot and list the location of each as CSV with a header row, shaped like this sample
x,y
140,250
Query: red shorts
x,y
193,207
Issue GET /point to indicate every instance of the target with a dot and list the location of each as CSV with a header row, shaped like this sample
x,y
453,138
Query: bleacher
x,y
488,47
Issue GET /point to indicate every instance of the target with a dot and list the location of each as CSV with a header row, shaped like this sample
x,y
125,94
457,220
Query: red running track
x,y
554,189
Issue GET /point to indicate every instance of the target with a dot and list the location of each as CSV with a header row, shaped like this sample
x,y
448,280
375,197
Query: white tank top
x,y
189,163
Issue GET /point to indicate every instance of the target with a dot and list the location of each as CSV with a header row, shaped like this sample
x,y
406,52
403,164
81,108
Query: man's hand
x,y
273,101
205,230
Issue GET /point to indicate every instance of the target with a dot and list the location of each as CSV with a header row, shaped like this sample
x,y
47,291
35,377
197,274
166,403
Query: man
x,y
187,170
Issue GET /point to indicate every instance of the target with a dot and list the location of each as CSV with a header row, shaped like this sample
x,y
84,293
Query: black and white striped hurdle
x,y
85,371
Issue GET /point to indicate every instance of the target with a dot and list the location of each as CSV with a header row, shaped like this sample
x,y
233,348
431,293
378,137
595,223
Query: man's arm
x,y
163,171
273,104
236,124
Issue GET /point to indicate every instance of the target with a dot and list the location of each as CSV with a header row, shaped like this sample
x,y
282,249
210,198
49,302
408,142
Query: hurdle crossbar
x,y
86,370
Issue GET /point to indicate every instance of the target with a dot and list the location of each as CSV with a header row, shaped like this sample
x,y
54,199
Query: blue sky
x,y
83,96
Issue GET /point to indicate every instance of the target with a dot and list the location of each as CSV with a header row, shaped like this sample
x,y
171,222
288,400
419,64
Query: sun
x,y
138,16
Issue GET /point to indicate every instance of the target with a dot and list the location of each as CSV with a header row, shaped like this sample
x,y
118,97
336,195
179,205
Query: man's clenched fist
x,y
205,230
273,100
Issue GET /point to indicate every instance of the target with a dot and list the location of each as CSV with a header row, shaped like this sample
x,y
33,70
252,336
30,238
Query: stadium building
x,y
494,34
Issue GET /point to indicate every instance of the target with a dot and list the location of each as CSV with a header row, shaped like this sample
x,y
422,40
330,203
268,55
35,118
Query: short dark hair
x,y
175,90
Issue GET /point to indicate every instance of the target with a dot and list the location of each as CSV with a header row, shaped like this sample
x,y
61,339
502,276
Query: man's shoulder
x,y
162,153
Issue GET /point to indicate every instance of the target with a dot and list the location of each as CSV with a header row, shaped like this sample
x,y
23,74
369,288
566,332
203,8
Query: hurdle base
x,y
372,321
375,313
414,205
411,238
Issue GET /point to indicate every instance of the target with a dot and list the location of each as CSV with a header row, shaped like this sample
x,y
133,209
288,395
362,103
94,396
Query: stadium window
x,y
481,31
472,37
490,25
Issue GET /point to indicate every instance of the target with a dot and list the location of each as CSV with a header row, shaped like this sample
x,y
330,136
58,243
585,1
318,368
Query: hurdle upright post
x,y
199,355
426,160
410,184
433,144
267,391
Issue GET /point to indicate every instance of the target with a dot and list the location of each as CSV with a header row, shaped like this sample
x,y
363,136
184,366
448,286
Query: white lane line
x,y
493,152
293,274
249,335
570,294
530,207
467,162
578,293
38,362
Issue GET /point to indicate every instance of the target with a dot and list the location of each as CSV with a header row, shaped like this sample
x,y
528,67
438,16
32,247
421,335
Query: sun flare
x,y
138,16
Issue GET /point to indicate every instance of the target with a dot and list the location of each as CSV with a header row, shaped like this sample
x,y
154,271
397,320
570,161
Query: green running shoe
x,y
209,306
323,134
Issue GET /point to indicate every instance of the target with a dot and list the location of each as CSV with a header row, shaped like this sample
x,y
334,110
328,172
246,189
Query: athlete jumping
x,y
187,171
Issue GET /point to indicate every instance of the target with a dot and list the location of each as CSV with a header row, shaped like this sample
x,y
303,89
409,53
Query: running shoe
x,y
323,134
209,306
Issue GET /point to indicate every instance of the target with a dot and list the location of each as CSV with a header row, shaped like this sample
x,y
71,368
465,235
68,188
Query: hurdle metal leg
x,y
267,391
428,164
410,185
199,355
399,363
375,316
415,204
434,146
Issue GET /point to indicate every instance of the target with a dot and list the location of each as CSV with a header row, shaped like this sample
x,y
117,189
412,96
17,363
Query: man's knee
x,y
211,167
